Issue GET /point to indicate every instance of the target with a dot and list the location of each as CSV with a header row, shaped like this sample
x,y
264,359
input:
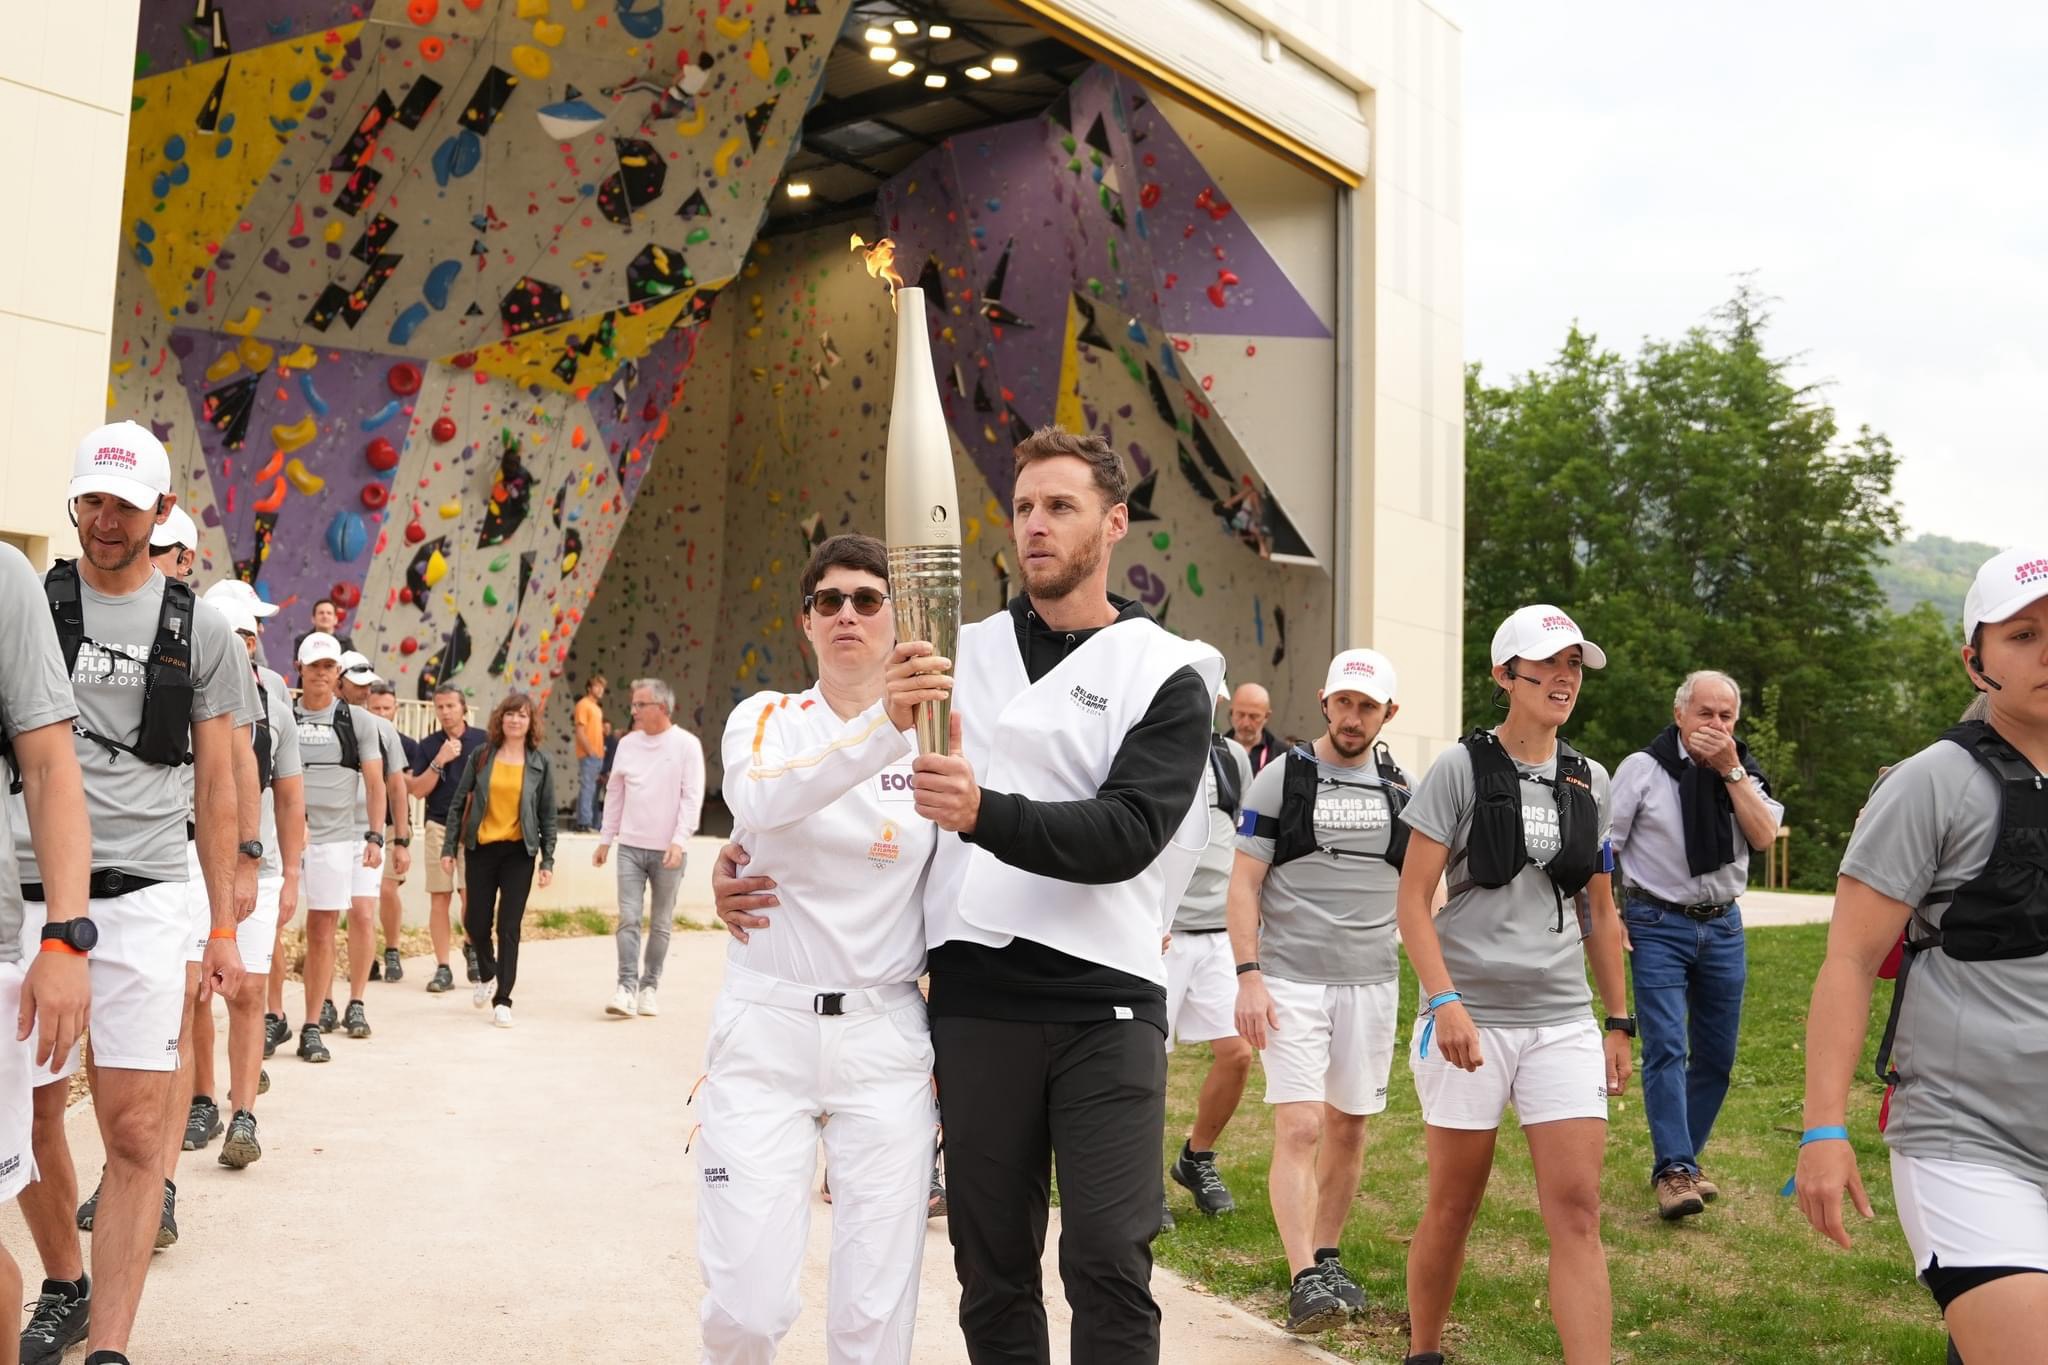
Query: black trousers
x,y
498,877
1021,1099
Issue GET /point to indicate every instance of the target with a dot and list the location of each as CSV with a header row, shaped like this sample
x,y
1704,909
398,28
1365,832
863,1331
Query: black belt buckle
x,y
113,881
1702,913
829,1002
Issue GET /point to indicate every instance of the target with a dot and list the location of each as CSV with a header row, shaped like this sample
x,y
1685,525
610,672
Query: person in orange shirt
x,y
589,718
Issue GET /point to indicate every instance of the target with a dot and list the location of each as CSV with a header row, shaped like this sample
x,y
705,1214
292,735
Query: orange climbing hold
x,y
432,48
274,499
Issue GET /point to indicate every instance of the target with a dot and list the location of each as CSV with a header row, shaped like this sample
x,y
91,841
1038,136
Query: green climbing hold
x,y
1075,165
1114,267
498,564
490,594
782,77
1194,581
1095,286
1130,364
1160,540
1068,142
697,235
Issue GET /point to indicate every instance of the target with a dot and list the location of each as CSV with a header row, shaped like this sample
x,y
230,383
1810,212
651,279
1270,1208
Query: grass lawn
x,y
1749,1281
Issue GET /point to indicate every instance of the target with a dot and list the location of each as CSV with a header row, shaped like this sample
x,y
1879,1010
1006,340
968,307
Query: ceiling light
x,y
935,81
1002,66
878,36
906,27
799,189
977,73
940,32
902,68
883,53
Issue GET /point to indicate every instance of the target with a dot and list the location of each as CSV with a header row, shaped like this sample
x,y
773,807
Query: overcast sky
x,y
1883,170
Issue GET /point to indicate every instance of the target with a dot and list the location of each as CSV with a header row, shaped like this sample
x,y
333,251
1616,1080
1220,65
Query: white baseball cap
x,y
362,677
353,659
2008,582
318,646
123,459
235,590
239,618
175,529
1365,671
1539,631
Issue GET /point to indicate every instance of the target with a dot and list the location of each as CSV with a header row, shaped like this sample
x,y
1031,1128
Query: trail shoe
x,y
357,1020
1709,1191
241,1148
1339,1279
263,1080
311,1049
1197,1172
57,1320
91,1207
1424,1358
1678,1195
276,1033
1166,1223
167,1226
202,1123
469,962
442,980
624,1004
328,1020
394,970
1311,1304
376,969
649,1006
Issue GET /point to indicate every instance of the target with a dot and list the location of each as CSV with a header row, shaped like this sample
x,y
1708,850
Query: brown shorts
x,y
439,882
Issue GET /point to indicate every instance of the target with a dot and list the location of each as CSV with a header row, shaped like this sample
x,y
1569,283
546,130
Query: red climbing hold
x,y
421,11
404,379
651,412
382,455
375,495
408,645
444,430
414,532
1148,196
344,595
462,360
405,596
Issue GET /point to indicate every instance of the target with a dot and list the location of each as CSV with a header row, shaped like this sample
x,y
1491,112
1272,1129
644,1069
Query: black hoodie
x,y
1110,837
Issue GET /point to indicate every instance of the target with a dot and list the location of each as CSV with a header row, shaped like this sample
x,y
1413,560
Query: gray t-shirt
x,y
246,710
33,693
284,762
1203,908
337,808
393,749
1328,918
1972,1045
138,809
1506,955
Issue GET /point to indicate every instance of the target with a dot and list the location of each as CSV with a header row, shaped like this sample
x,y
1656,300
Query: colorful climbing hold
x,y
436,570
382,455
490,594
421,11
432,48
274,499
304,479
533,62
347,537
1195,581
375,495
404,378
444,430
299,433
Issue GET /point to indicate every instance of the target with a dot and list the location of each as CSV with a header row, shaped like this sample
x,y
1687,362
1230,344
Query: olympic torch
x,y
920,499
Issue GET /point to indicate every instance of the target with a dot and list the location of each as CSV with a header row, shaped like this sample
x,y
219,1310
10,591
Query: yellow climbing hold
x,y
334,230
550,34
220,369
757,60
973,531
583,487
303,479
755,586
694,124
733,28
534,9
532,61
721,161
255,354
297,434
122,367
569,562
450,510
245,324
436,570
305,358
994,512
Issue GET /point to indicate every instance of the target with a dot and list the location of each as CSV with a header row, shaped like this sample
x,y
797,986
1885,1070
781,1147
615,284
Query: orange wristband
x,y
58,945
221,934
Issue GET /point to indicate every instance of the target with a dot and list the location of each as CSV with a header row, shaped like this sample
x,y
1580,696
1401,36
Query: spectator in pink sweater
x,y
650,810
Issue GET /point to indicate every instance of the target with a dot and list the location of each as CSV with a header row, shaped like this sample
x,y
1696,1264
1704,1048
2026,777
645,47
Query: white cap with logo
x,y
2008,582
1365,671
355,666
318,647
122,459
1539,631
176,528
235,590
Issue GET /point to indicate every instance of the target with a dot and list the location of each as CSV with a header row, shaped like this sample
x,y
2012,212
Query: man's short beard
x,y
1067,578
1337,743
127,559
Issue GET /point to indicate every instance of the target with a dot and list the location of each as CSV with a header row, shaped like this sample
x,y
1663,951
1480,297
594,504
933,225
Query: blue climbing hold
x,y
223,147
160,185
407,323
381,416
143,255
174,147
347,537
312,395
302,91
1167,362
640,23
145,231
227,123
440,280
1136,332
180,173
457,156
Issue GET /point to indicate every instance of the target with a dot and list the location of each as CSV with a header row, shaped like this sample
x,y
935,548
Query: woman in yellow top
x,y
506,800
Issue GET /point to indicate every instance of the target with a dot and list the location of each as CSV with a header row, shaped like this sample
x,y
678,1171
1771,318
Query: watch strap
x,y
1252,966
1621,1023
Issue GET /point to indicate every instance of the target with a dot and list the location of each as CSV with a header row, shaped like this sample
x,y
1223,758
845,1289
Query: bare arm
x,y
1422,873
1753,815
56,993
399,791
1255,1015
216,812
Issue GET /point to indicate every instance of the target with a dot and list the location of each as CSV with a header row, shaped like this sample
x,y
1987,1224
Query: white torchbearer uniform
x,y
819,1018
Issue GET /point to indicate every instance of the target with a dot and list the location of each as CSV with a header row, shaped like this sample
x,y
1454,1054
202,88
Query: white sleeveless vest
x,y
1054,740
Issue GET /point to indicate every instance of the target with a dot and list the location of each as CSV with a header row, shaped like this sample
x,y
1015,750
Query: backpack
x,y
1496,851
261,732
1229,795
344,728
165,735
1293,829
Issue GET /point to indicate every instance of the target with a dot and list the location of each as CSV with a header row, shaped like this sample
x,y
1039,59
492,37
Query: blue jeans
x,y
1688,978
587,770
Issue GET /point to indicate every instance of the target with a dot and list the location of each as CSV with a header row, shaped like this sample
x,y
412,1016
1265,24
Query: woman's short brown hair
x,y
513,701
1050,442
864,553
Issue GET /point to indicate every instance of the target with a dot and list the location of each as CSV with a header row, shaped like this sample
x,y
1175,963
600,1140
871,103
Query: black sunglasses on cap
x,y
828,601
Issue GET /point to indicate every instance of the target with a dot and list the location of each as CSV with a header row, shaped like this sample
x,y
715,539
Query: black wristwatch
x,y
79,934
374,837
402,843
1622,1023
1252,966
251,848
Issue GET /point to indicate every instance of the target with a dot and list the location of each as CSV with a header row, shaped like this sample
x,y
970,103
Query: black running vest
x,y
1293,828
1496,852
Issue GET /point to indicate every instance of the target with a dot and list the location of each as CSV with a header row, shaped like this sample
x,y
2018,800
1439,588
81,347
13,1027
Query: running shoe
x,y
624,1004
1341,1284
1197,1172
91,1206
501,1016
56,1322
357,1020
241,1148
1166,1223
328,1020
442,980
202,1123
311,1049
167,1226
935,1202
277,1031
263,1081
394,970
376,969
1312,1305
648,1006
469,962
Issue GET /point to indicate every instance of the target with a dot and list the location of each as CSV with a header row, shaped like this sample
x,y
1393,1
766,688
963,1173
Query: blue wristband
x,y
1429,1025
1832,1133
1436,1002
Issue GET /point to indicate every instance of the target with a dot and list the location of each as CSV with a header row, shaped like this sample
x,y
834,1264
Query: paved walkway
x,y
450,1191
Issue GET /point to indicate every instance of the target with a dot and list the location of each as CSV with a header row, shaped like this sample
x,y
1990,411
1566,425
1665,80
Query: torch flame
x,y
881,262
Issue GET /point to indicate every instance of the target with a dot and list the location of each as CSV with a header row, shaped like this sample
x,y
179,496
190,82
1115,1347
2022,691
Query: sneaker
x,y
241,1148
442,980
1341,1284
648,1008
935,1202
56,1322
481,996
501,1016
357,1021
311,1049
1709,1191
469,962
376,969
202,1123
1678,1195
624,1004
276,1033
1311,1304
1166,1223
91,1206
1424,1358
328,1020
167,1226
263,1080
394,970
1197,1172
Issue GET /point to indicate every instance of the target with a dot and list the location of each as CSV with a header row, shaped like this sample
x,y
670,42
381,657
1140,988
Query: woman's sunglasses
x,y
828,601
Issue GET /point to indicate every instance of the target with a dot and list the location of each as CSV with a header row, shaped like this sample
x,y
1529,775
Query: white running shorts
x,y
17,1103
1201,989
1556,1071
1333,1043
138,978
333,874
1967,1215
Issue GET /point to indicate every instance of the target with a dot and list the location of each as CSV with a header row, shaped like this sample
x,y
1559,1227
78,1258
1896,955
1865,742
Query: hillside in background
x,y
1933,569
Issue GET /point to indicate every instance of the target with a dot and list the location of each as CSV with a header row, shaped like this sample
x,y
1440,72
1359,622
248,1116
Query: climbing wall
x,y
1068,281
412,290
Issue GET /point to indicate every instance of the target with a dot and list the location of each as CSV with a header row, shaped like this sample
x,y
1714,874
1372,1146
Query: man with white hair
x,y
1687,811
651,807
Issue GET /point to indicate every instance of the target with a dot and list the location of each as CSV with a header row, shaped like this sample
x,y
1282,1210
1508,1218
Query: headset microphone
x,y
1991,682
